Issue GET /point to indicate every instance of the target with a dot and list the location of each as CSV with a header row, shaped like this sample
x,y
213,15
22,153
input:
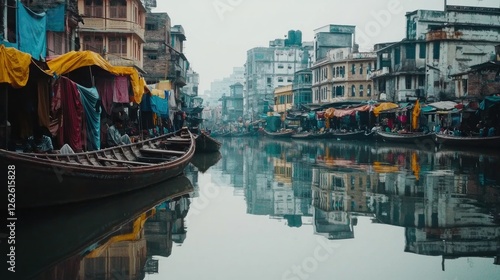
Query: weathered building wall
x,y
483,84
156,54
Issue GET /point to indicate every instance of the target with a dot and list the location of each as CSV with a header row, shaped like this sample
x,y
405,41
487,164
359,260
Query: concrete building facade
x,y
270,67
342,75
114,29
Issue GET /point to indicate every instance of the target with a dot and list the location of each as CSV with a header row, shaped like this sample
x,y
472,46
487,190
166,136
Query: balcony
x,y
112,25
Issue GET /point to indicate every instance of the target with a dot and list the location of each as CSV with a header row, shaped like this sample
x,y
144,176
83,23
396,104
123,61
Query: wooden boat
x,y
204,161
279,134
408,138
206,144
469,141
53,237
353,135
303,135
51,179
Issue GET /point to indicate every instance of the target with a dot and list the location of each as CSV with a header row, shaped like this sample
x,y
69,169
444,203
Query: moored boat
x,y
53,179
206,144
353,135
408,138
287,133
469,141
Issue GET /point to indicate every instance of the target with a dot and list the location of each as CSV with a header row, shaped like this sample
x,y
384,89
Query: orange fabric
x,y
14,67
415,115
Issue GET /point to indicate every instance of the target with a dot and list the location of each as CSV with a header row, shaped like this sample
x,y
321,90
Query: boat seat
x,y
123,161
164,152
152,159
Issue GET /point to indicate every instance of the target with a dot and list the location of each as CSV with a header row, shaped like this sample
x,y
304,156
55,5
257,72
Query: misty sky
x,y
219,32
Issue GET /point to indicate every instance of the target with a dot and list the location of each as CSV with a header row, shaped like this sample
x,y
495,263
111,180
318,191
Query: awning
x,y
74,60
443,105
14,67
385,106
489,102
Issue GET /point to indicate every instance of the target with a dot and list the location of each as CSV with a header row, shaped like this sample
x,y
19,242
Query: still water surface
x,y
291,209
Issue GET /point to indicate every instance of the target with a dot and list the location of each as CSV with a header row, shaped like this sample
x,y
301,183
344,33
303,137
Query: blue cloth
x,y
55,18
159,106
146,103
89,97
31,32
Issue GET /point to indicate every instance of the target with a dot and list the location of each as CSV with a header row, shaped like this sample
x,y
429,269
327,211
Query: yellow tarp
x,y
415,115
14,67
384,107
73,60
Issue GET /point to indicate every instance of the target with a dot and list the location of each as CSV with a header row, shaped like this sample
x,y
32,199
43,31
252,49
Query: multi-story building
x,y
342,75
157,47
301,87
332,36
232,105
283,97
114,29
438,44
270,67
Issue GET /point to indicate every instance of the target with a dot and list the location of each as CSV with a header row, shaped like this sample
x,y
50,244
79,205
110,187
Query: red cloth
x,y
67,101
121,90
106,92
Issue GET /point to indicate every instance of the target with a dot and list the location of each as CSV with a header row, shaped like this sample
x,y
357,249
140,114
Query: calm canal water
x,y
286,209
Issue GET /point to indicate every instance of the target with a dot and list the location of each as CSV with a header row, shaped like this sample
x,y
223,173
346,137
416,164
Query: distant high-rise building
x,y
270,67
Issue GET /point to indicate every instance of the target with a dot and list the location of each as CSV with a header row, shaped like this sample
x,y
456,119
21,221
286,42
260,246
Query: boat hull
x,y
207,144
407,138
469,141
358,135
46,180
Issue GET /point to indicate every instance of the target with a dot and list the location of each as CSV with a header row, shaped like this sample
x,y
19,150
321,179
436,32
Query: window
x,y
369,90
93,8
269,80
353,69
118,9
117,45
151,26
353,90
289,66
93,43
410,51
337,71
361,90
421,51
435,50
307,78
289,80
361,69
280,66
397,55
280,79
408,82
421,81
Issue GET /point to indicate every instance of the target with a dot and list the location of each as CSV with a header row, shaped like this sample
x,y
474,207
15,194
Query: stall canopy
x,y
339,113
385,106
489,102
74,60
443,105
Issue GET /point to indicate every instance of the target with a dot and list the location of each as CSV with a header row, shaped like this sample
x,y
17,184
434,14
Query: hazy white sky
x,y
220,32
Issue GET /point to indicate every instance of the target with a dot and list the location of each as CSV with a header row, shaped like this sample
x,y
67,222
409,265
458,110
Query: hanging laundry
x,y
121,90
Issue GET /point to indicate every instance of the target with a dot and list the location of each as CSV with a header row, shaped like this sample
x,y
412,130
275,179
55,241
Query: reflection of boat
x,y
470,141
304,135
413,138
206,144
67,231
205,160
279,134
83,176
355,135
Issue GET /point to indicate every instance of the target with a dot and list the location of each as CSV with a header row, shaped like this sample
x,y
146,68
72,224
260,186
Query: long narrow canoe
x,y
280,134
408,138
353,135
469,141
53,179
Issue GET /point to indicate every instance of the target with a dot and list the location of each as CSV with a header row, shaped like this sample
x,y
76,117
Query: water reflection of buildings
x,y
130,252
447,201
